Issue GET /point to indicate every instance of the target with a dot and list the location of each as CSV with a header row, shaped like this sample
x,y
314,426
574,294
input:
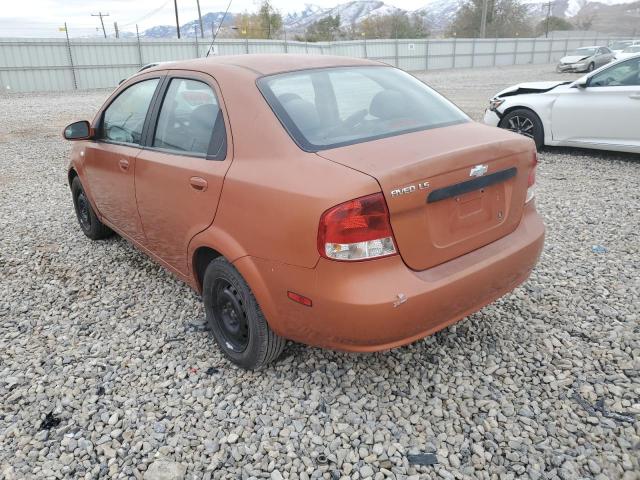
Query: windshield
x,y
634,49
619,45
584,52
331,107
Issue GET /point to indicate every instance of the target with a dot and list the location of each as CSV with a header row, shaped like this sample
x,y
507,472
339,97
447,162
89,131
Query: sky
x,y
43,17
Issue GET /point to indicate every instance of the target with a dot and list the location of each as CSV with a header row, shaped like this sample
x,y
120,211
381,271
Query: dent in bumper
x,y
356,308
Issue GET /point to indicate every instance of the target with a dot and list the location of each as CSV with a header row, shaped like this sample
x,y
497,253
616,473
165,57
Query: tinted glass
x,y
326,108
124,118
623,74
189,115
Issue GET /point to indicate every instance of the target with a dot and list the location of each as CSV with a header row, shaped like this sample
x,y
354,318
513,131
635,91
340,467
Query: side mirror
x,y
581,83
78,131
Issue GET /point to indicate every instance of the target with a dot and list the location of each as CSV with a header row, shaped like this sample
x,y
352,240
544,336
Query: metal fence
x,y
59,64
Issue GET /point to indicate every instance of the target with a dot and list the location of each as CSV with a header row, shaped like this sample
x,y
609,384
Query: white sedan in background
x,y
599,110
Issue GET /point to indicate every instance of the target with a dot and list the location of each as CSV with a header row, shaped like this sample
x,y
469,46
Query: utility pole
x,y
115,27
175,6
200,18
101,15
483,21
546,29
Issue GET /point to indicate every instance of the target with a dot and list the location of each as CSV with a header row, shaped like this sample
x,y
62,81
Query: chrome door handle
x,y
124,164
198,183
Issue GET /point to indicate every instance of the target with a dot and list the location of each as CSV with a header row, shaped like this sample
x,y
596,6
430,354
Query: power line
x,y
146,15
101,15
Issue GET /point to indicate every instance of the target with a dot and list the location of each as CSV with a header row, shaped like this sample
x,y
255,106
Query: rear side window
x,y
124,117
333,107
190,120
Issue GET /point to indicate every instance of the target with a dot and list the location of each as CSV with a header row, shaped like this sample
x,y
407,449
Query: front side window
x,y
620,75
124,118
332,107
190,120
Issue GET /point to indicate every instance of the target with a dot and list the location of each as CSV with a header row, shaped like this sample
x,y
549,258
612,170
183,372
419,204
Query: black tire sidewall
x,y
97,230
538,130
254,354
591,67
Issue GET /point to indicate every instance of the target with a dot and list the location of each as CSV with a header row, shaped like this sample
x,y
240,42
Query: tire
x,y
91,226
524,122
591,67
235,320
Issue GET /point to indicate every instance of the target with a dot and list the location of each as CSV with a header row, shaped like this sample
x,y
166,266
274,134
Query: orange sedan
x,y
327,200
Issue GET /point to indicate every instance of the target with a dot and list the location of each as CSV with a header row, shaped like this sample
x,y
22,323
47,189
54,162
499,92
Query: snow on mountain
x,y
438,14
351,13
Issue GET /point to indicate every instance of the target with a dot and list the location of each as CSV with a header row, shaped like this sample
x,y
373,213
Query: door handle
x,y
635,96
198,183
124,164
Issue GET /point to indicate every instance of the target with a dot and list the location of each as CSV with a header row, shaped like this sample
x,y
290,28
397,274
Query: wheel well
x,y
71,175
519,107
201,259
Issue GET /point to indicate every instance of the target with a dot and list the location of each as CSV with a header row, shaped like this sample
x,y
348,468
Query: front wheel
x,y
591,67
235,320
525,122
91,226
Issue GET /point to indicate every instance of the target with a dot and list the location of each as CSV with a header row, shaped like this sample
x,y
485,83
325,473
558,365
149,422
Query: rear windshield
x,y
332,107
585,51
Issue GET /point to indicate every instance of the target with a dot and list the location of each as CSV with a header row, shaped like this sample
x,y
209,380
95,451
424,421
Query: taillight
x,y
531,181
356,230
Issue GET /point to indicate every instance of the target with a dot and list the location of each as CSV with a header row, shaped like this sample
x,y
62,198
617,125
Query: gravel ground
x,y
106,371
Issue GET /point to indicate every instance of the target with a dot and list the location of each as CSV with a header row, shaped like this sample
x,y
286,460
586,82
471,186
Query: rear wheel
x,y
91,226
525,122
235,320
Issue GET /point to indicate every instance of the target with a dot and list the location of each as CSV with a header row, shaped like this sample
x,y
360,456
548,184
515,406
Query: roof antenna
x,y
215,35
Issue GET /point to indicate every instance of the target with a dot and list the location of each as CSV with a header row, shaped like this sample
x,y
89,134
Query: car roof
x,y
264,64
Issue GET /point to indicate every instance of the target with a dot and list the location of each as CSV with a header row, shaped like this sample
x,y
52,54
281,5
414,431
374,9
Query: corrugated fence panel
x,y
54,64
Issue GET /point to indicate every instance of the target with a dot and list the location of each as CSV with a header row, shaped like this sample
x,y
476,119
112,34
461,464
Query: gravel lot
x,y
108,350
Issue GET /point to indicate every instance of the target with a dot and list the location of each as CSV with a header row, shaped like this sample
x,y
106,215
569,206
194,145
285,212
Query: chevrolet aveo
x,y
332,201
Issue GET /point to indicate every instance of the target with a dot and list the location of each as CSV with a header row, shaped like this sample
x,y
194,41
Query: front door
x,y
180,172
110,160
607,112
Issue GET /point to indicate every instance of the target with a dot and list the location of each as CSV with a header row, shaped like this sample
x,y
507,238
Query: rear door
x,y
180,172
109,162
607,112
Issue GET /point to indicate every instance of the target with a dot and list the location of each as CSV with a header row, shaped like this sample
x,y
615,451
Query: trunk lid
x,y
439,210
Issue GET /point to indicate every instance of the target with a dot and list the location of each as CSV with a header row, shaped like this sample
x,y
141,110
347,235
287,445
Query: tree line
x,y
505,18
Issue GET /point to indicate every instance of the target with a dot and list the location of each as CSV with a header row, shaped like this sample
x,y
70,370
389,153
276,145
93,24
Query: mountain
x,y
351,13
438,14
606,16
189,29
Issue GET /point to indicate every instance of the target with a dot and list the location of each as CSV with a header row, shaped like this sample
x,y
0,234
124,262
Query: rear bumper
x,y
381,304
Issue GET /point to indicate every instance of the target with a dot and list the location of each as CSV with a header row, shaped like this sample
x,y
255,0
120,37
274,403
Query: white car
x,y
628,52
599,110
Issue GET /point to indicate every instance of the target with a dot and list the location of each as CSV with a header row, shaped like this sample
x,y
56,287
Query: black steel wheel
x,y
230,315
235,319
89,222
525,122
